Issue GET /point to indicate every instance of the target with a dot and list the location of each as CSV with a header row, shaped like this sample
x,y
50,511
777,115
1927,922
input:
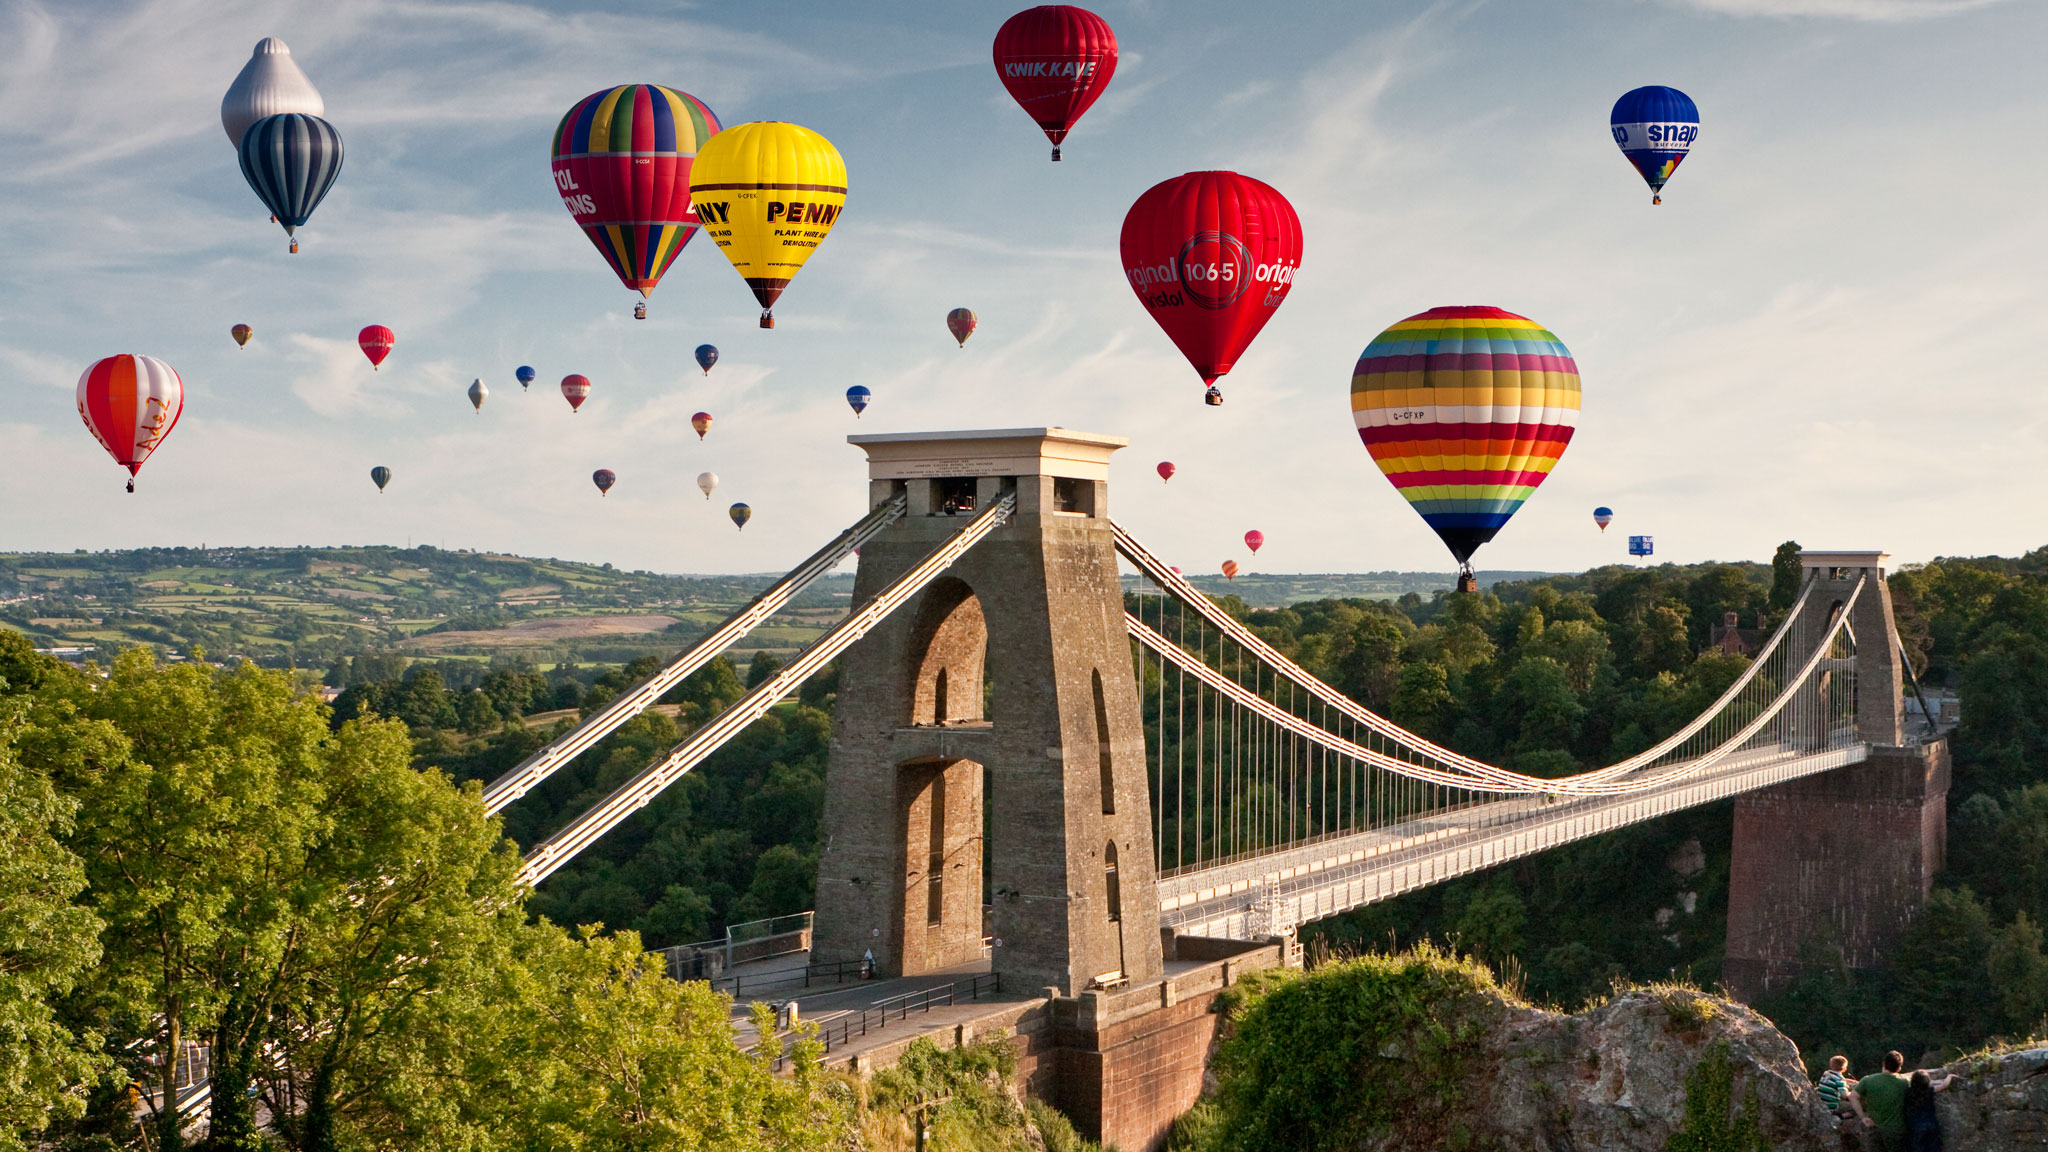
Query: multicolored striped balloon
x,y
1465,410
622,162
129,404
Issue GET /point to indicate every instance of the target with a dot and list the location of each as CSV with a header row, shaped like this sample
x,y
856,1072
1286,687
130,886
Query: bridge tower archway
x,y
1054,770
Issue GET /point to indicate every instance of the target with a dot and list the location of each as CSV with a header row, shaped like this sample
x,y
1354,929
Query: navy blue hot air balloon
x,y
857,398
381,475
291,161
706,357
526,376
1655,127
740,514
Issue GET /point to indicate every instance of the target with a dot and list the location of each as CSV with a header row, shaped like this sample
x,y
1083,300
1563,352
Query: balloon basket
x,y
1213,397
1055,153
767,321
1467,582
1656,199
131,485
295,247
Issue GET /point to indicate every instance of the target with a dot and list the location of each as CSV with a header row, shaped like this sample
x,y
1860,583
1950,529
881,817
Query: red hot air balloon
x,y
129,404
1211,255
241,333
575,389
1055,60
702,423
1230,569
961,322
376,342
1165,470
1254,540
604,478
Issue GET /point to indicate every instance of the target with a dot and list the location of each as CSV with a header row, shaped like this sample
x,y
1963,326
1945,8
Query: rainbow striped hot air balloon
x,y
1465,410
622,160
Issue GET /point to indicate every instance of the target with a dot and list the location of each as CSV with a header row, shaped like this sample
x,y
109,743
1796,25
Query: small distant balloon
x,y
575,389
961,323
381,476
857,399
1175,571
604,478
376,341
707,482
1603,516
241,333
1254,540
1642,546
740,514
1165,470
525,376
702,423
129,404
706,357
1655,127
477,393
1230,569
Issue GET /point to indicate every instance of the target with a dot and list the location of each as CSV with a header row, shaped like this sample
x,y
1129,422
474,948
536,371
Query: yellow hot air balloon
x,y
767,193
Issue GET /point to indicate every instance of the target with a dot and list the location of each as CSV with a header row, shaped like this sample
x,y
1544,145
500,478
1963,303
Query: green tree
x,y
1786,574
1424,698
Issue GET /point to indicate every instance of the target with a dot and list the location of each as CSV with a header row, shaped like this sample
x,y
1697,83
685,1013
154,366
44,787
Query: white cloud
x,y
1885,11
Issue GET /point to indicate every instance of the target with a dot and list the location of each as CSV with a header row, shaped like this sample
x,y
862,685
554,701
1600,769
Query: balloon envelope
x,y
1230,569
622,160
376,341
381,476
1254,540
1055,60
290,160
706,357
961,323
129,404
477,393
701,421
769,193
740,514
1603,516
604,478
525,376
1654,127
269,84
857,399
241,333
707,483
1165,470
575,389
1211,255
1465,410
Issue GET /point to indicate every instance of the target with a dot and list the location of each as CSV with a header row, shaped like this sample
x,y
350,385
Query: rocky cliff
x,y
2001,1105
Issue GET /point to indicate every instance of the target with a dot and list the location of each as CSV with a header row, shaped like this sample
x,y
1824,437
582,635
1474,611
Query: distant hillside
x,y
308,606
1272,590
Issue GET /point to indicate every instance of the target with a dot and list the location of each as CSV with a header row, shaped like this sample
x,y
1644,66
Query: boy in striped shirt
x,y
1835,1083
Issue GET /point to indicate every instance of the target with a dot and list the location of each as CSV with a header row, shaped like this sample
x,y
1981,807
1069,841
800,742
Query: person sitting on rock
x,y
1880,1102
1923,1126
1835,1084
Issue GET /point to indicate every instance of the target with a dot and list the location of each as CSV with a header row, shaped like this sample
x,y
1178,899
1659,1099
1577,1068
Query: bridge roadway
x,y
1276,892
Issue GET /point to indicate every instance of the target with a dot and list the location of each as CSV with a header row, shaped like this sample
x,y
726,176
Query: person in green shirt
x,y
1880,1100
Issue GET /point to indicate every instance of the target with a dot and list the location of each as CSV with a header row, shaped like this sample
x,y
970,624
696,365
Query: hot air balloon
x,y
1211,255
241,333
622,160
770,193
857,399
707,483
1655,127
290,160
1230,569
575,389
381,476
604,478
706,357
1254,540
701,421
271,83
130,403
1603,516
376,341
1642,546
1165,470
477,392
1465,410
525,376
740,514
961,323
1055,60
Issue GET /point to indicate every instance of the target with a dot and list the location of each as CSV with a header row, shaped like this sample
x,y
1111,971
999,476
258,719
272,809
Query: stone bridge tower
x,y
988,744
1833,866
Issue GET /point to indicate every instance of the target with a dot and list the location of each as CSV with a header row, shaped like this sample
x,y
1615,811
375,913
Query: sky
x,y
1823,333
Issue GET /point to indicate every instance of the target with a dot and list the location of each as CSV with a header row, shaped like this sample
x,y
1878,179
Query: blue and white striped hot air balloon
x,y
291,160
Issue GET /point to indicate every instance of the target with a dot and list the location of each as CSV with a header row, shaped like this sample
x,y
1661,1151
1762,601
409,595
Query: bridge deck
x,y
1277,892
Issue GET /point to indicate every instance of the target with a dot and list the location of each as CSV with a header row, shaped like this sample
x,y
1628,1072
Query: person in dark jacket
x,y
1923,1126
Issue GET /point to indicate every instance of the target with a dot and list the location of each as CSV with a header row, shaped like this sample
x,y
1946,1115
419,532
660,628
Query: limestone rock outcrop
x,y
2001,1104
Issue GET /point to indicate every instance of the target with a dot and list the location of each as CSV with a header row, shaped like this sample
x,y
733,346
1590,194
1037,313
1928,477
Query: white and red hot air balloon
x,y
130,403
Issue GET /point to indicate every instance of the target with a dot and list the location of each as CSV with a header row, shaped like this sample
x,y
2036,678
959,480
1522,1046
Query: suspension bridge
x,y
1031,751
